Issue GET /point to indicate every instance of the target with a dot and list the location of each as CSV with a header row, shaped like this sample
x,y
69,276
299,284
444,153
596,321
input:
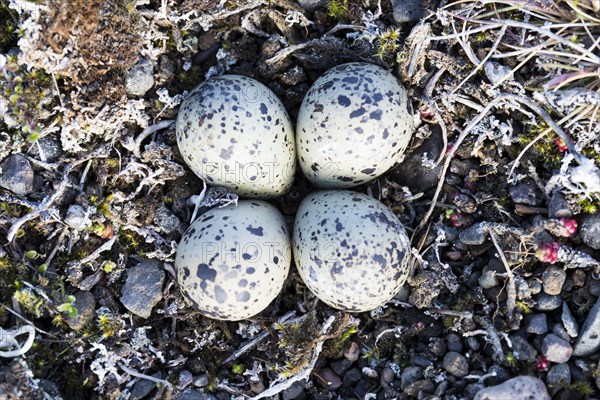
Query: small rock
x,y
421,361
589,230
536,324
185,379
558,376
257,387
407,10
165,219
559,330
474,235
143,387
351,377
409,375
143,287
558,207
77,217
488,279
522,349
47,149
473,343
553,279
329,379
454,343
340,366
546,302
294,391
472,388
588,341
201,381
519,388
191,394
140,78
17,175
526,193
569,322
523,289
438,346
497,72
594,287
353,352
535,285
85,303
422,386
312,5
556,349
456,364
387,376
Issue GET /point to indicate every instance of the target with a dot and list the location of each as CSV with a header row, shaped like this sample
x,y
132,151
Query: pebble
x,y
456,364
594,287
387,376
329,379
48,149
165,219
589,230
412,173
191,394
407,10
85,303
535,285
143,387
140,78
294,391
555,349
312,5
488,279
409,375
185,379
526,193
257,387
588,341
569,322
473,343
518,388
536,324
558,207
454,343
77,217
353,352
496,72
522,288
143,287
351,377
473,235
558,375
16,175
546,302
422,386
438,346
201,381
472,388
559,330
522,349
340,366
553,279
421,361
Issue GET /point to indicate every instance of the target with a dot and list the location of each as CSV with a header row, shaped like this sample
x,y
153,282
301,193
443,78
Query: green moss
x,y
338,9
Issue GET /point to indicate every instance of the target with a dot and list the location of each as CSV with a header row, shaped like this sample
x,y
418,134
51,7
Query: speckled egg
x,y
350,250
234,132
354,124
232,261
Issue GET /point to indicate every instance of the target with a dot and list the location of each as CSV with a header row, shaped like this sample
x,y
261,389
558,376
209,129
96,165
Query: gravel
x,y
589,230
456,364
16,175
536,324
569,322
140,78
553,279
546,302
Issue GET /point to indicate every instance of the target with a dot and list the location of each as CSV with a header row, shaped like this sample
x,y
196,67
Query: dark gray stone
x,y
454,343
16,175
473,236
191,394
294,391
143,287
536,323
526,193
165,219
407,10
588,341
569,322
456,364
523,289
472,388
411,171
387,376
589,230
546,302
143,387
553,279
409,375
518,388
422,386
85,303
340,366
558,207
312,5
556,349
522,349
47,149
558,376
351,377
594,287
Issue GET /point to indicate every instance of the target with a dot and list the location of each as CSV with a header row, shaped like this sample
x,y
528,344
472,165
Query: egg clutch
x,y
354,124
